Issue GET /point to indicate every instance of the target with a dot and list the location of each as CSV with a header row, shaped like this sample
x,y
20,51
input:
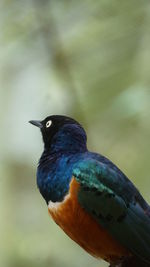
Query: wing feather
x,y
104,194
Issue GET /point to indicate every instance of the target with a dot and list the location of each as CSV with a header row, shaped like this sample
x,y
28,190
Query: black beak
x,y
36,123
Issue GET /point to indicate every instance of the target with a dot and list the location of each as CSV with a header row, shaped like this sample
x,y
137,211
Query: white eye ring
x,y
48,124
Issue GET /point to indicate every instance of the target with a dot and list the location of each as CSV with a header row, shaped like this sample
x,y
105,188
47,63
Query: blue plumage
x,y
53,177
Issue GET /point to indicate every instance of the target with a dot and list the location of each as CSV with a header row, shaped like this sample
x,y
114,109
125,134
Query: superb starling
x,y
90,198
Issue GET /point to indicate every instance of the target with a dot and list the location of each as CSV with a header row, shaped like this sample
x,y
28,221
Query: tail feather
x,y
131,262
134,262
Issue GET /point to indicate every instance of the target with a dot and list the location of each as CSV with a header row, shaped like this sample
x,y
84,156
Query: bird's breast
x,y
83,228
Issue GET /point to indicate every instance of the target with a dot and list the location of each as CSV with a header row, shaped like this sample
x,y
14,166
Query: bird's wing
x,y
106,200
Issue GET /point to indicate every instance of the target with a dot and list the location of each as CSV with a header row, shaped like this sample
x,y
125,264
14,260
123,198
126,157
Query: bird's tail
x,y
132,262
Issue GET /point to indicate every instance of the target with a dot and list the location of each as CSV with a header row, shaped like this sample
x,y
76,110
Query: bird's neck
x,y
68,140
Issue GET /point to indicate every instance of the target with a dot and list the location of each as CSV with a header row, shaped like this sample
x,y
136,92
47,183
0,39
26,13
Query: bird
x,y
90,198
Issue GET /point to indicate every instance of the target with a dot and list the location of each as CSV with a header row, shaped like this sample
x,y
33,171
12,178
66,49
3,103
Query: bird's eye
x,y
48,124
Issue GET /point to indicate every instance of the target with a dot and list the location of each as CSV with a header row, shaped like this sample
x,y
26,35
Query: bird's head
x,y
61,133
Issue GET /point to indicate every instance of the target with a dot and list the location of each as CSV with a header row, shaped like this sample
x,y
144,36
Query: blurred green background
x,y
86,59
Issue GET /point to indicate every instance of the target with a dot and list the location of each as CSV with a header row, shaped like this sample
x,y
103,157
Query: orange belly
x,y
84,230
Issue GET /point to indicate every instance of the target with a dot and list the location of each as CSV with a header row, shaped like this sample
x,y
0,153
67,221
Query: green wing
x,y
112,205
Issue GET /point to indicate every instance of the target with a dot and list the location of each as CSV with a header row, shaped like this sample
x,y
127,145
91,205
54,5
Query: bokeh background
x,y
86,59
